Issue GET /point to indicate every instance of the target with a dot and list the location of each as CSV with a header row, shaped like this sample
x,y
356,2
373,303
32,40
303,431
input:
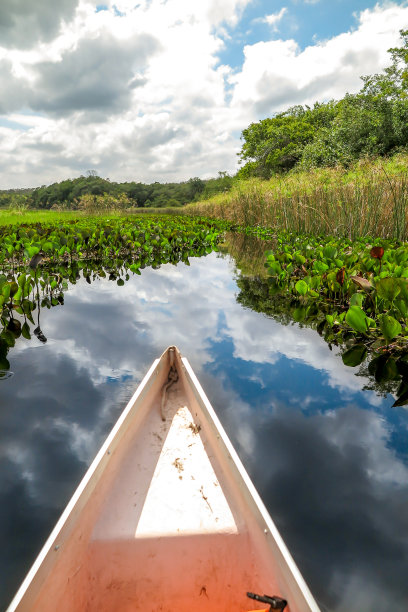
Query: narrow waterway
x,y
328,457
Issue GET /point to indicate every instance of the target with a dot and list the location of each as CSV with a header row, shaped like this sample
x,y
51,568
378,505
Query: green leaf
x,y
388,288
357,299
25,331
402,307
390,327
402,396
6,291
357,319
383,368
274,268
299,314
354,355
301,287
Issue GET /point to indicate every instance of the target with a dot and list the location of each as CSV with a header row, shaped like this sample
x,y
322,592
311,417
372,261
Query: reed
x,y
370,199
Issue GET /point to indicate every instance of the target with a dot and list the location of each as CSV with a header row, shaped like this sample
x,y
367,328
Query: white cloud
x,y
273,19
277,74
137,92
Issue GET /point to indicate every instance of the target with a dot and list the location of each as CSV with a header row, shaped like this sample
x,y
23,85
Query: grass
x,y
27,216
369,199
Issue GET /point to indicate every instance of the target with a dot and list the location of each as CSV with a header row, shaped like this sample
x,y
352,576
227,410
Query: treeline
x,y
371,123
72,193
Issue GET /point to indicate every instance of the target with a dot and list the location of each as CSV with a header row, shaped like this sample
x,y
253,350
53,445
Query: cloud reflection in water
x,y
324,454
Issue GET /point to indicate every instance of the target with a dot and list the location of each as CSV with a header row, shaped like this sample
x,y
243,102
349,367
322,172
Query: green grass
x,y
27,216
371,198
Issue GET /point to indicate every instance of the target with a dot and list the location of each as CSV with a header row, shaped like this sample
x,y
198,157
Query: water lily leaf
x,y
13,288
388,288
357,299
362,282
299,314
354,355
25,331
402,395
301,287
21,280
402,307
403,285
274,268
383,368
390,327
330,252
357,319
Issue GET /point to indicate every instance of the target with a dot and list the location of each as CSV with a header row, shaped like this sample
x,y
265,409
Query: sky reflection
x,y
329,459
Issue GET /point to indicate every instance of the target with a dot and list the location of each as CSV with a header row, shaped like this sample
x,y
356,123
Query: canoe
x,y
166,518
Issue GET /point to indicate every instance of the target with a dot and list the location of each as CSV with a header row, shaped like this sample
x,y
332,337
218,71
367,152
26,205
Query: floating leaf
x,y
357,319
354,355
390,327
402,396
357,299
301,287
403,285
299,314
383,368
388,288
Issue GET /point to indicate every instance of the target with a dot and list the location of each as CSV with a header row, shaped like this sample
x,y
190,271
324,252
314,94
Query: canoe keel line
x,y
166,518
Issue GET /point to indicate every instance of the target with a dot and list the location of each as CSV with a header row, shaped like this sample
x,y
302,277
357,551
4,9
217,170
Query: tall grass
x,y
370,199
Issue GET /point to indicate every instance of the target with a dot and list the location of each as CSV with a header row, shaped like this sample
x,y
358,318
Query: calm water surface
x,y
329,459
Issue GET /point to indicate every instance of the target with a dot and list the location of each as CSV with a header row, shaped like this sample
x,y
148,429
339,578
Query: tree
x,y
277,144
371,122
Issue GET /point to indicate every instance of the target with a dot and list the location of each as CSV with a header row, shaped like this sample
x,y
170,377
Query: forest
x,y
69,194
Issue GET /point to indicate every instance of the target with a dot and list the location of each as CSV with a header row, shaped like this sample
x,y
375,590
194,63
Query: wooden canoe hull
x,y
166,518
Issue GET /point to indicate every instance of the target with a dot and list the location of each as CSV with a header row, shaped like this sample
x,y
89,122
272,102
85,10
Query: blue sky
x,y
161,90
306,22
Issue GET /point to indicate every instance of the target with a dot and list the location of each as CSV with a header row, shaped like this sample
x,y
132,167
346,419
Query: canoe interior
x,y
163,519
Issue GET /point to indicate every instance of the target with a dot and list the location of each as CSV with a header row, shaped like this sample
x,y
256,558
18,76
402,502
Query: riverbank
x,y
368,199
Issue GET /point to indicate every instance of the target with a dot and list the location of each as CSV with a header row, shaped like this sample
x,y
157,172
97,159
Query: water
x,y
328,458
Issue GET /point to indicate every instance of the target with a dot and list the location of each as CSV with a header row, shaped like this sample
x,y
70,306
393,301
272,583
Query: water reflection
x,y
328,458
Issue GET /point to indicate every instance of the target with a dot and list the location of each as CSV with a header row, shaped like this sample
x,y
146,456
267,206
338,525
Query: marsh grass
x,y
369,199
18,216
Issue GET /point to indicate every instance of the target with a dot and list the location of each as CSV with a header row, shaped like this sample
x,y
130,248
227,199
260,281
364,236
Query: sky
x,y
160,90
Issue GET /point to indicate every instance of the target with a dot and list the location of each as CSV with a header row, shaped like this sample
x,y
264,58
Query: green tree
x,y
277,144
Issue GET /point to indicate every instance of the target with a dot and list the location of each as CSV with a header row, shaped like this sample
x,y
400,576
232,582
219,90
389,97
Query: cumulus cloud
x,y
99,74
23,24
277,74
138,92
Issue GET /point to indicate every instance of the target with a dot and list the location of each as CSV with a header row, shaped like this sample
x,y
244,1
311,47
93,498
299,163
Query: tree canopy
x,y
373,122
